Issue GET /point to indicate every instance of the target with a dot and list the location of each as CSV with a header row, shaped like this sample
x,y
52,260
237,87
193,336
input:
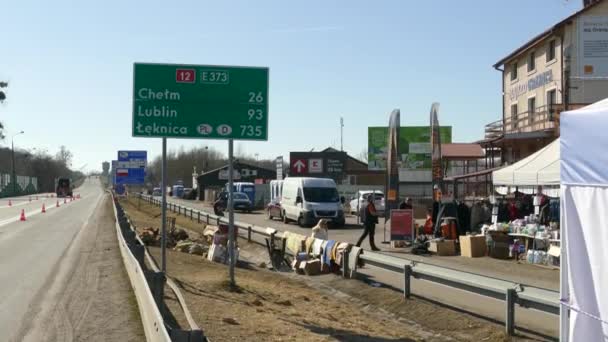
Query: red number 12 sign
x,y
185,75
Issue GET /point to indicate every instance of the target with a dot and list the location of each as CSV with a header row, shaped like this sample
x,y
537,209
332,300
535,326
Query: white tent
x,y
540,168
584,223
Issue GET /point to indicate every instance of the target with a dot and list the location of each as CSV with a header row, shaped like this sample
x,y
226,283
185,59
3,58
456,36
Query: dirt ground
x,y
96,301
271,306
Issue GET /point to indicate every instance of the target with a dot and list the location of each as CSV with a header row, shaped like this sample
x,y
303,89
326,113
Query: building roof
x,y
545,34
331,149
461,151
236,164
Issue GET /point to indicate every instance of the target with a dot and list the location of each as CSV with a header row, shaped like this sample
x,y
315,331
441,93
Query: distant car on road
x,y
360,201
157,192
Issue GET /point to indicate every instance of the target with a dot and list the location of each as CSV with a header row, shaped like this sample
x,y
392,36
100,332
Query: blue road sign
x,y
131,167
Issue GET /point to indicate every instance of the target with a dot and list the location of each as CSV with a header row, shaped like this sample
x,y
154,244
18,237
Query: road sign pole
x,y
163,243
231,212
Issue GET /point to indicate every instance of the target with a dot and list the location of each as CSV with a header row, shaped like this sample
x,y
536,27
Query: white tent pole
x,y
564,312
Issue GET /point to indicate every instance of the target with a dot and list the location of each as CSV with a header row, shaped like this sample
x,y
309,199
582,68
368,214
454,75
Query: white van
x,y
307,200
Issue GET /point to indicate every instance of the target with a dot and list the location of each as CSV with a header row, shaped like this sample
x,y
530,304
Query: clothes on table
x,y
353,259
554,214
446,209
327,252
308,244
316,247
341,248
513,211
294,242
503,212
464,219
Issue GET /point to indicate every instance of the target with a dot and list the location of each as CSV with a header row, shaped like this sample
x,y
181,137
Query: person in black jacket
x,y
370,221
407,204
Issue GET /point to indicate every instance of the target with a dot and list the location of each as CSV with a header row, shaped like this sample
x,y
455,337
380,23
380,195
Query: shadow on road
x,y
345,335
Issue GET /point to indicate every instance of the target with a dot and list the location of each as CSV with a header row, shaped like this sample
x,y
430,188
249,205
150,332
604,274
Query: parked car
x,y
242,202
360,201
157,192
307,200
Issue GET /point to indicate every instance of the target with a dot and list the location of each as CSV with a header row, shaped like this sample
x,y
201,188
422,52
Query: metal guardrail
x,y
152,320
155,284
512,293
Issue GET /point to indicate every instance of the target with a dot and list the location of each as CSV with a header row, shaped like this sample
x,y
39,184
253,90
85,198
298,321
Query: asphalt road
x,y
537,321
38,258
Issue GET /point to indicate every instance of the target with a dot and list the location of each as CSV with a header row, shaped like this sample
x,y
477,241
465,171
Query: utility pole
x,y
341,134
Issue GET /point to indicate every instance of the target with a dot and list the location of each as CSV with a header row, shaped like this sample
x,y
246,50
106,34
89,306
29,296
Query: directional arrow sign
x,y
298,166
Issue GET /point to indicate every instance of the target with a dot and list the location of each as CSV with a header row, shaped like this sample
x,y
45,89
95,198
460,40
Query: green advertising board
x,y
200,101
414,146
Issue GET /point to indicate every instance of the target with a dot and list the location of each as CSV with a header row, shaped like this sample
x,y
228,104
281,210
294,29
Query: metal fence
x,y
24,185
511,293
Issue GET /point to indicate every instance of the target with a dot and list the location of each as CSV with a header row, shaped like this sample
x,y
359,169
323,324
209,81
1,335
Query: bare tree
x,y
65,156
363,155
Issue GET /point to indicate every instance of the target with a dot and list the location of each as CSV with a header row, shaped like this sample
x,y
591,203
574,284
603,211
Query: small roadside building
x,y
213,180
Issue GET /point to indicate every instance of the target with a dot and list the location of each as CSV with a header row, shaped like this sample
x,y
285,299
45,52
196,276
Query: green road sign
x,y
200,101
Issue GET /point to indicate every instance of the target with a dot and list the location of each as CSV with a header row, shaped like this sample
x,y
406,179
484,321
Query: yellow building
x,y
563,68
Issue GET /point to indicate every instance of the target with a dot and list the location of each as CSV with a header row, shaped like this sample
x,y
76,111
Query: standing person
x,y
407,204
370,220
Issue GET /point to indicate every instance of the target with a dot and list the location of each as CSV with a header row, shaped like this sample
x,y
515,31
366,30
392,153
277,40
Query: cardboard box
x,y
443,248
311,267
295,265
472,246
499,245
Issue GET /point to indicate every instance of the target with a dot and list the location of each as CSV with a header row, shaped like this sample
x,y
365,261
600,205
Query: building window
x,y
514,116
551,50
531,61
531,109
514,71
551,100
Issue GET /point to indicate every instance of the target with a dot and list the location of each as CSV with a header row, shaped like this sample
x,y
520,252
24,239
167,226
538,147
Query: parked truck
x,y
63,187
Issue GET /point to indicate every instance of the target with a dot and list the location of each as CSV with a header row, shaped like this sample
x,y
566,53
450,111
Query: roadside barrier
x,y
148,285
511,293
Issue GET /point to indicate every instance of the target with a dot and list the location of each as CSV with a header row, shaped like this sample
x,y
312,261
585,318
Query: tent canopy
x,y
585,138
540,168
584,223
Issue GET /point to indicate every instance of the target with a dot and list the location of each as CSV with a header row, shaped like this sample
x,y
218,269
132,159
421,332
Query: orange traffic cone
x,y
43,208
22,218
57,203
10,204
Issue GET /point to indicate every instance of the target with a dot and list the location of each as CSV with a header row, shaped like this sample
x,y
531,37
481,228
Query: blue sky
x,y
69,64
